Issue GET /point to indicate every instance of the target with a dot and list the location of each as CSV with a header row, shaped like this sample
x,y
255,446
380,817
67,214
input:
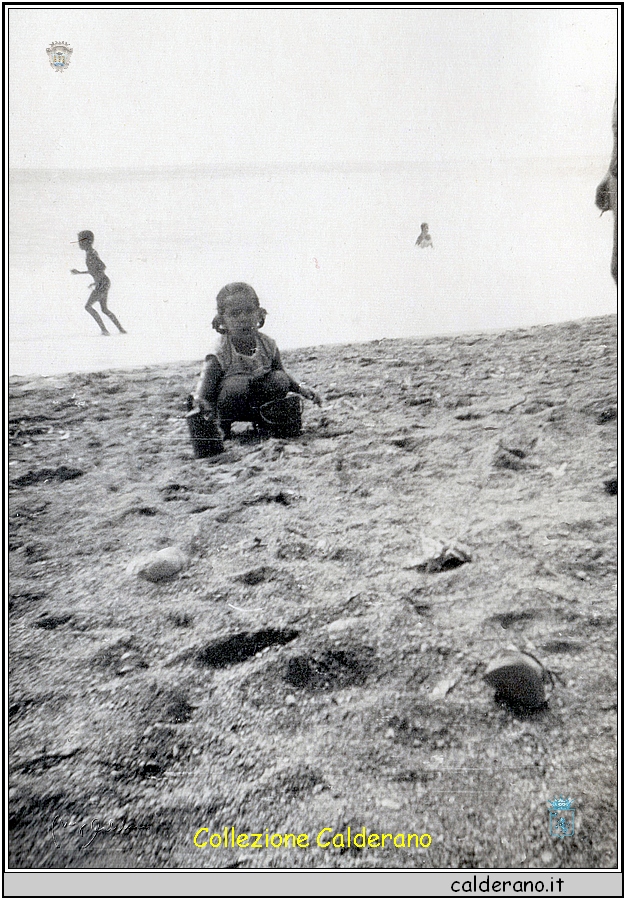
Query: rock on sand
x,y
160,565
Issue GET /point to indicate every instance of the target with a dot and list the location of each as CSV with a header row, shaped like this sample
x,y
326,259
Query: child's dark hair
x,y
86,236
236,289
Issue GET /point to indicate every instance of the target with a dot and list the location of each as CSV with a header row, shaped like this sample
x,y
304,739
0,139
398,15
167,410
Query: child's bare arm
x,y
310,394
209,386
76,272
301,389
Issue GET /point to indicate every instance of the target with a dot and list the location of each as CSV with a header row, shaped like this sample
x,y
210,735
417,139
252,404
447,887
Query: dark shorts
x,y
102,284
100,291
241,395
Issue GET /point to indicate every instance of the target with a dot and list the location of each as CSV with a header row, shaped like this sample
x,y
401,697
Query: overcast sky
x,y
149,87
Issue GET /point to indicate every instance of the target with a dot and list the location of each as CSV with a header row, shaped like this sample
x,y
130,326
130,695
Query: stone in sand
x,y
520,447
160,565
439,556
512,448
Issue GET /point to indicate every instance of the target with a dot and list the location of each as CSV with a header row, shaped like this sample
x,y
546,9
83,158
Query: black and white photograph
x,y
313,470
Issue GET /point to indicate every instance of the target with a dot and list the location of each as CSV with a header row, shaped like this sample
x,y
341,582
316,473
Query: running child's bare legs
x,y
107,312
95,297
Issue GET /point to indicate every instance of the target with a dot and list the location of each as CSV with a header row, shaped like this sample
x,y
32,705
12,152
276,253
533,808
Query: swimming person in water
x,y
101,285
424,240
244,378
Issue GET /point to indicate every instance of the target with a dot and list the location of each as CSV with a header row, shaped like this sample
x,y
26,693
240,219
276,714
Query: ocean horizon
x,y
330,251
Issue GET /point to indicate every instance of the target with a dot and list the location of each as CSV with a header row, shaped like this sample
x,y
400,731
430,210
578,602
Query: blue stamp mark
x,y
562,812
59,54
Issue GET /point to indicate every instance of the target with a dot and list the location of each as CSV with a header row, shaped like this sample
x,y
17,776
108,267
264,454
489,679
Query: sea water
x,y
330,251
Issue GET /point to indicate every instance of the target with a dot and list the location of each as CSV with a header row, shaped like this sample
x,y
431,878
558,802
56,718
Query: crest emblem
x,y
59,55
561,817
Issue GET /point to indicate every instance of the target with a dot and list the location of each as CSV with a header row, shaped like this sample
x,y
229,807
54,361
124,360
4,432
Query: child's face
x,y
84,243
241,316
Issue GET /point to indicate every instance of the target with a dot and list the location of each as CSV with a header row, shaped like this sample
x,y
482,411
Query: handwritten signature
x,y
96,827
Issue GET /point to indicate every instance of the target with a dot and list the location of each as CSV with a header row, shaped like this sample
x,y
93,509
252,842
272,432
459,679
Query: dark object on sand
x,y
206,437
607,415
63,473
283,417
519,680
610,486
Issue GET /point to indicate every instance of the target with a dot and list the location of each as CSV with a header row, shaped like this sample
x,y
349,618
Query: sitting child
x,y
244,380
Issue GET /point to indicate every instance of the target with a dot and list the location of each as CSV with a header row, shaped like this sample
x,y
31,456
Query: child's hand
x,y
309,394
75,272
207,409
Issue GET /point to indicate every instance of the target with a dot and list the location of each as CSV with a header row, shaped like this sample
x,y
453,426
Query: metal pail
x,y
284,416
206,437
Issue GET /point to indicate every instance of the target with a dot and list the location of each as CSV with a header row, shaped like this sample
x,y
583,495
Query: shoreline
x,y
288,352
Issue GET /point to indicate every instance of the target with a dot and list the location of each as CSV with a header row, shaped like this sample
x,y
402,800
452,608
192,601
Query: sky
x,y
217,87
299,149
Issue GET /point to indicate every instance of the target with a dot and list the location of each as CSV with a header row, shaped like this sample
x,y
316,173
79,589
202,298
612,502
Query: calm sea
x,y
331,253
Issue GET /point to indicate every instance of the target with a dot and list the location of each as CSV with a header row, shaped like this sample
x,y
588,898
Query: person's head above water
x,y
424,227
85,237
238,309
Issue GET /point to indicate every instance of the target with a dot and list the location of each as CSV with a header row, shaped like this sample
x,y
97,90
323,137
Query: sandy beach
x,y
305,669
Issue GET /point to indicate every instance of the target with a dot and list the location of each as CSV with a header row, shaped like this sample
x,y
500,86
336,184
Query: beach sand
x,y
304,671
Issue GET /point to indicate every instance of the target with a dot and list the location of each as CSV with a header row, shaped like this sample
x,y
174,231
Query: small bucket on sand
x,y
284,416
206,437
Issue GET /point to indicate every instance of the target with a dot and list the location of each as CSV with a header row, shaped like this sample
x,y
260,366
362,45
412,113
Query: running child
x,y
95,268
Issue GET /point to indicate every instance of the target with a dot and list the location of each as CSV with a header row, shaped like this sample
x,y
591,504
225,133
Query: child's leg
x,y
95,298
107,312
273,386
280,414
233,402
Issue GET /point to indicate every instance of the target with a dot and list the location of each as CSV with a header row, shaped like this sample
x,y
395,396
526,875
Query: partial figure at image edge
x,y
606,192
